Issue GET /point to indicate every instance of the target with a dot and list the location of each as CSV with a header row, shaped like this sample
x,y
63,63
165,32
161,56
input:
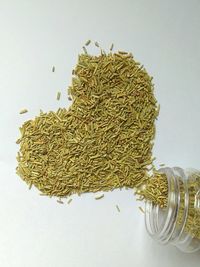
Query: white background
x,y
35,35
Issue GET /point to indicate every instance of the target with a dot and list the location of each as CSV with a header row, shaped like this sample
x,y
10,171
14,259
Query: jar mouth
x,y
170,225
161,222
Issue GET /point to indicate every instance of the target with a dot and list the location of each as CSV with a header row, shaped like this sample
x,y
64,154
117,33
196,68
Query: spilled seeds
x,y
103,141
155,190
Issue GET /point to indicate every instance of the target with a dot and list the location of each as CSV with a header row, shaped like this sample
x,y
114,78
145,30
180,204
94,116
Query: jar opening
x,y
174,224
161,222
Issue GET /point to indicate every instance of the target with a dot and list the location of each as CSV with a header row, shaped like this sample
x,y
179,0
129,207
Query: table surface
x,y
34,36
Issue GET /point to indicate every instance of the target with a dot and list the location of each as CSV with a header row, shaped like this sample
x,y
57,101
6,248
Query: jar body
x,y
179,222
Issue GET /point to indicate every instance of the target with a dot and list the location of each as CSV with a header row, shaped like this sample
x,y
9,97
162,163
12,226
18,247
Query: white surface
x,y
34,36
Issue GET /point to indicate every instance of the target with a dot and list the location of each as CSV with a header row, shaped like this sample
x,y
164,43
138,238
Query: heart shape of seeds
x,y
103,140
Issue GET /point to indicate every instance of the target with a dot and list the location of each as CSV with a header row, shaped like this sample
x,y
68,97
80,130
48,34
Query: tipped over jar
x,y
179,222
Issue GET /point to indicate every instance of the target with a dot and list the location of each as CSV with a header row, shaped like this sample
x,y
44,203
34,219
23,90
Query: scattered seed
x,y
30,186
69,201
23,111
111,47
60,201
117,207
88,42
58,95
85,50
99,197
123,52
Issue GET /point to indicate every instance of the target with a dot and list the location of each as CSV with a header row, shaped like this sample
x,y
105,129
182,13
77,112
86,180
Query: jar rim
x,y
161,223
168,225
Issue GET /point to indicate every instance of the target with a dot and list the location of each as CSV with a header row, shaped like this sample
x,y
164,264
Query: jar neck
x,y
165,224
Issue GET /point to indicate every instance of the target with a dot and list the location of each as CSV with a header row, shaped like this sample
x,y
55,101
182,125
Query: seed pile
x,y
103,141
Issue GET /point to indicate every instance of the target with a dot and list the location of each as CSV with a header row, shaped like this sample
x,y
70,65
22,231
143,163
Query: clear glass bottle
x,y
179,223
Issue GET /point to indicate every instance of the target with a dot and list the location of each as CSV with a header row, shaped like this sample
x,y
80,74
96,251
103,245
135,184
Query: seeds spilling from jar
x,y
156,191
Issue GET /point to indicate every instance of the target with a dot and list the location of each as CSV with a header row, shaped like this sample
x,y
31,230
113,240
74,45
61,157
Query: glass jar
x,y
179,223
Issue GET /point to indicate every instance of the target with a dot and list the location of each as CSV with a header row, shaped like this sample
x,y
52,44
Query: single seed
x,y
85,50
53,69
30,186
122,52
96,44
58,95
23,111
60,201
117,207
99,197
111,47
88,42
69,201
